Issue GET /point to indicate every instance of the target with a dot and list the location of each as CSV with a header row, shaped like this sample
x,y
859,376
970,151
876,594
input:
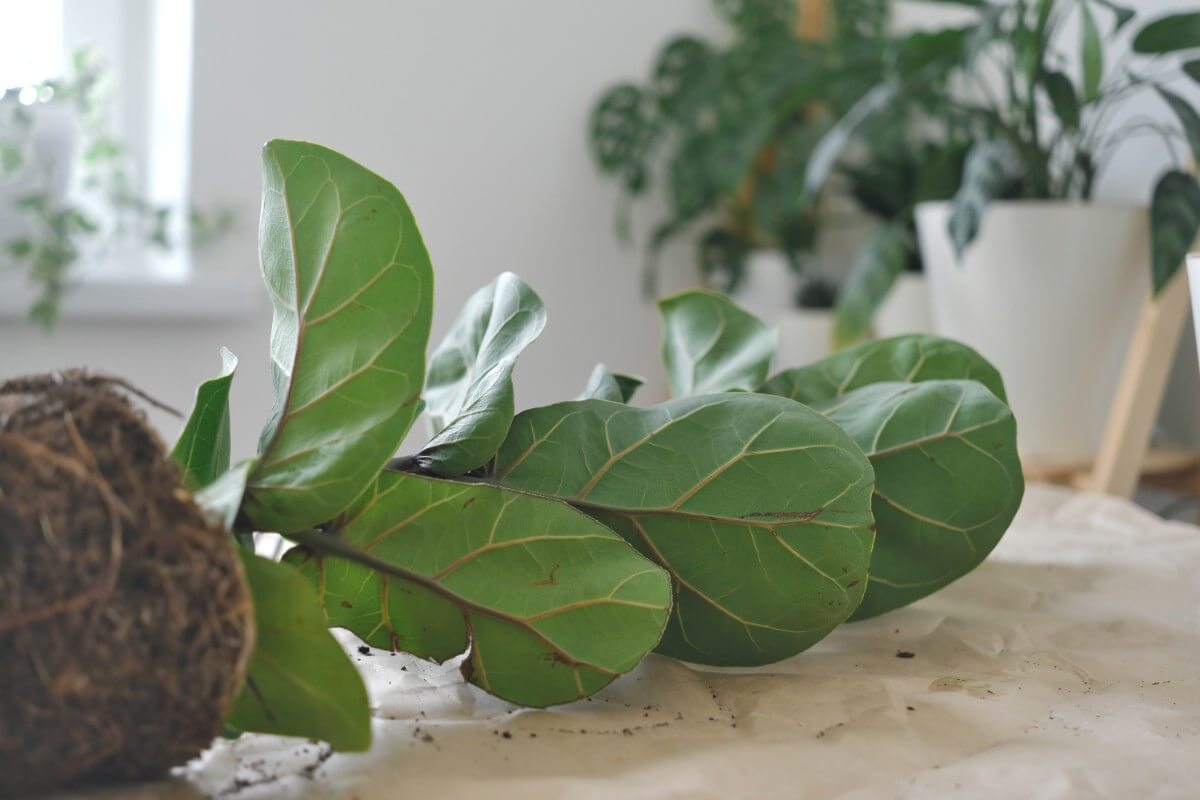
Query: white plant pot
x,y
906,309
805,336
1049,292
768,291
768,287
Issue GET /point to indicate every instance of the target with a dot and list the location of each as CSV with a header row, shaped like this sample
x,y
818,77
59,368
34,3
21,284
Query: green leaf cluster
x,y
550,550
727,130
1044,130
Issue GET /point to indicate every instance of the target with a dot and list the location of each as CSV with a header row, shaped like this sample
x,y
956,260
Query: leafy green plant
x,y
897,170
551,550
732,128
1045,132
109,207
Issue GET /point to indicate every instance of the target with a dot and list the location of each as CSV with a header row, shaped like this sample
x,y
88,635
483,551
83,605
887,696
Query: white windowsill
x,y
195,297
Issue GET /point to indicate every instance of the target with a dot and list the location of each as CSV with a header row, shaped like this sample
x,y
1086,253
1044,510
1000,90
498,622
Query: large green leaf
x,y
1091,50
879,262
550,604
221,500
1169,34
469,388
1061,92
910,359
992,169
300,681
947,481
758,507
1174,224
1192,69
351,287
711,345
202,451
1188,118
615,386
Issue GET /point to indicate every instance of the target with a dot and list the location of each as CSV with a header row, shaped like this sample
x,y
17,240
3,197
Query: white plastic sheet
x,y
1066,666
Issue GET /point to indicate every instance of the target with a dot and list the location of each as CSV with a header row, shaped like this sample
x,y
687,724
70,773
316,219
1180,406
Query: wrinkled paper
x,y
1068,665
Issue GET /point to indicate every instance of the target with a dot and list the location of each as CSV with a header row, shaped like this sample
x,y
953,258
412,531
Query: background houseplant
x,y
68,186
1050,280
727,132
530,544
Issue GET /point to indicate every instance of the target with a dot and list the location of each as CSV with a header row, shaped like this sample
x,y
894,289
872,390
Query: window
x,y
145,49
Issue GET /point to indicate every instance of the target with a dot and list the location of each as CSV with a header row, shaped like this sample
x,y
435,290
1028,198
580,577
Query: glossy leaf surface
x,y
550,605
202,450
710,345
469,388
909,359
300,681
615,386
758,507
351,286
947,481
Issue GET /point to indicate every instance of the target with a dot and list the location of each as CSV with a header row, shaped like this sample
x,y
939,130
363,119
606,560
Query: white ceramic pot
x,y
906,308
805,336
768,287
1049,292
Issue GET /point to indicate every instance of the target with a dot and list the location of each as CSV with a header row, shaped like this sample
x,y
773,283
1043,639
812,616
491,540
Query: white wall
x,y
477,111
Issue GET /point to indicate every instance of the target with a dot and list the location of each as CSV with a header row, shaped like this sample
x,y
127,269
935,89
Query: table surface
x,y
1068,665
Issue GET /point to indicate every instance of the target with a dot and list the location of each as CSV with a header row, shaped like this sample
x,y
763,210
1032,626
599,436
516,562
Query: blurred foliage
x,y
728,130
106,204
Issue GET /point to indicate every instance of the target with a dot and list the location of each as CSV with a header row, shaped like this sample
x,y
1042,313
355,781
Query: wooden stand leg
x,y
1140,391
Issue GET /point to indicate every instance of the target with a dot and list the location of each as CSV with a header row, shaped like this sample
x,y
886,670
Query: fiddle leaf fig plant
x,y
929,415
469,389
551,550
762,569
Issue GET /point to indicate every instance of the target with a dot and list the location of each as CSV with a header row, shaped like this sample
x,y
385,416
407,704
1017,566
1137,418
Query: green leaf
x,y
992,170
202,451
550,605
221,500
833,144
1169,34
1188,118
710,345
20,248
878,263
1174,224
1061,92
615,386
759,508
622,132
1092,54
909,359
300,681
11,157
469,389
352,289
1192,70
948,481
